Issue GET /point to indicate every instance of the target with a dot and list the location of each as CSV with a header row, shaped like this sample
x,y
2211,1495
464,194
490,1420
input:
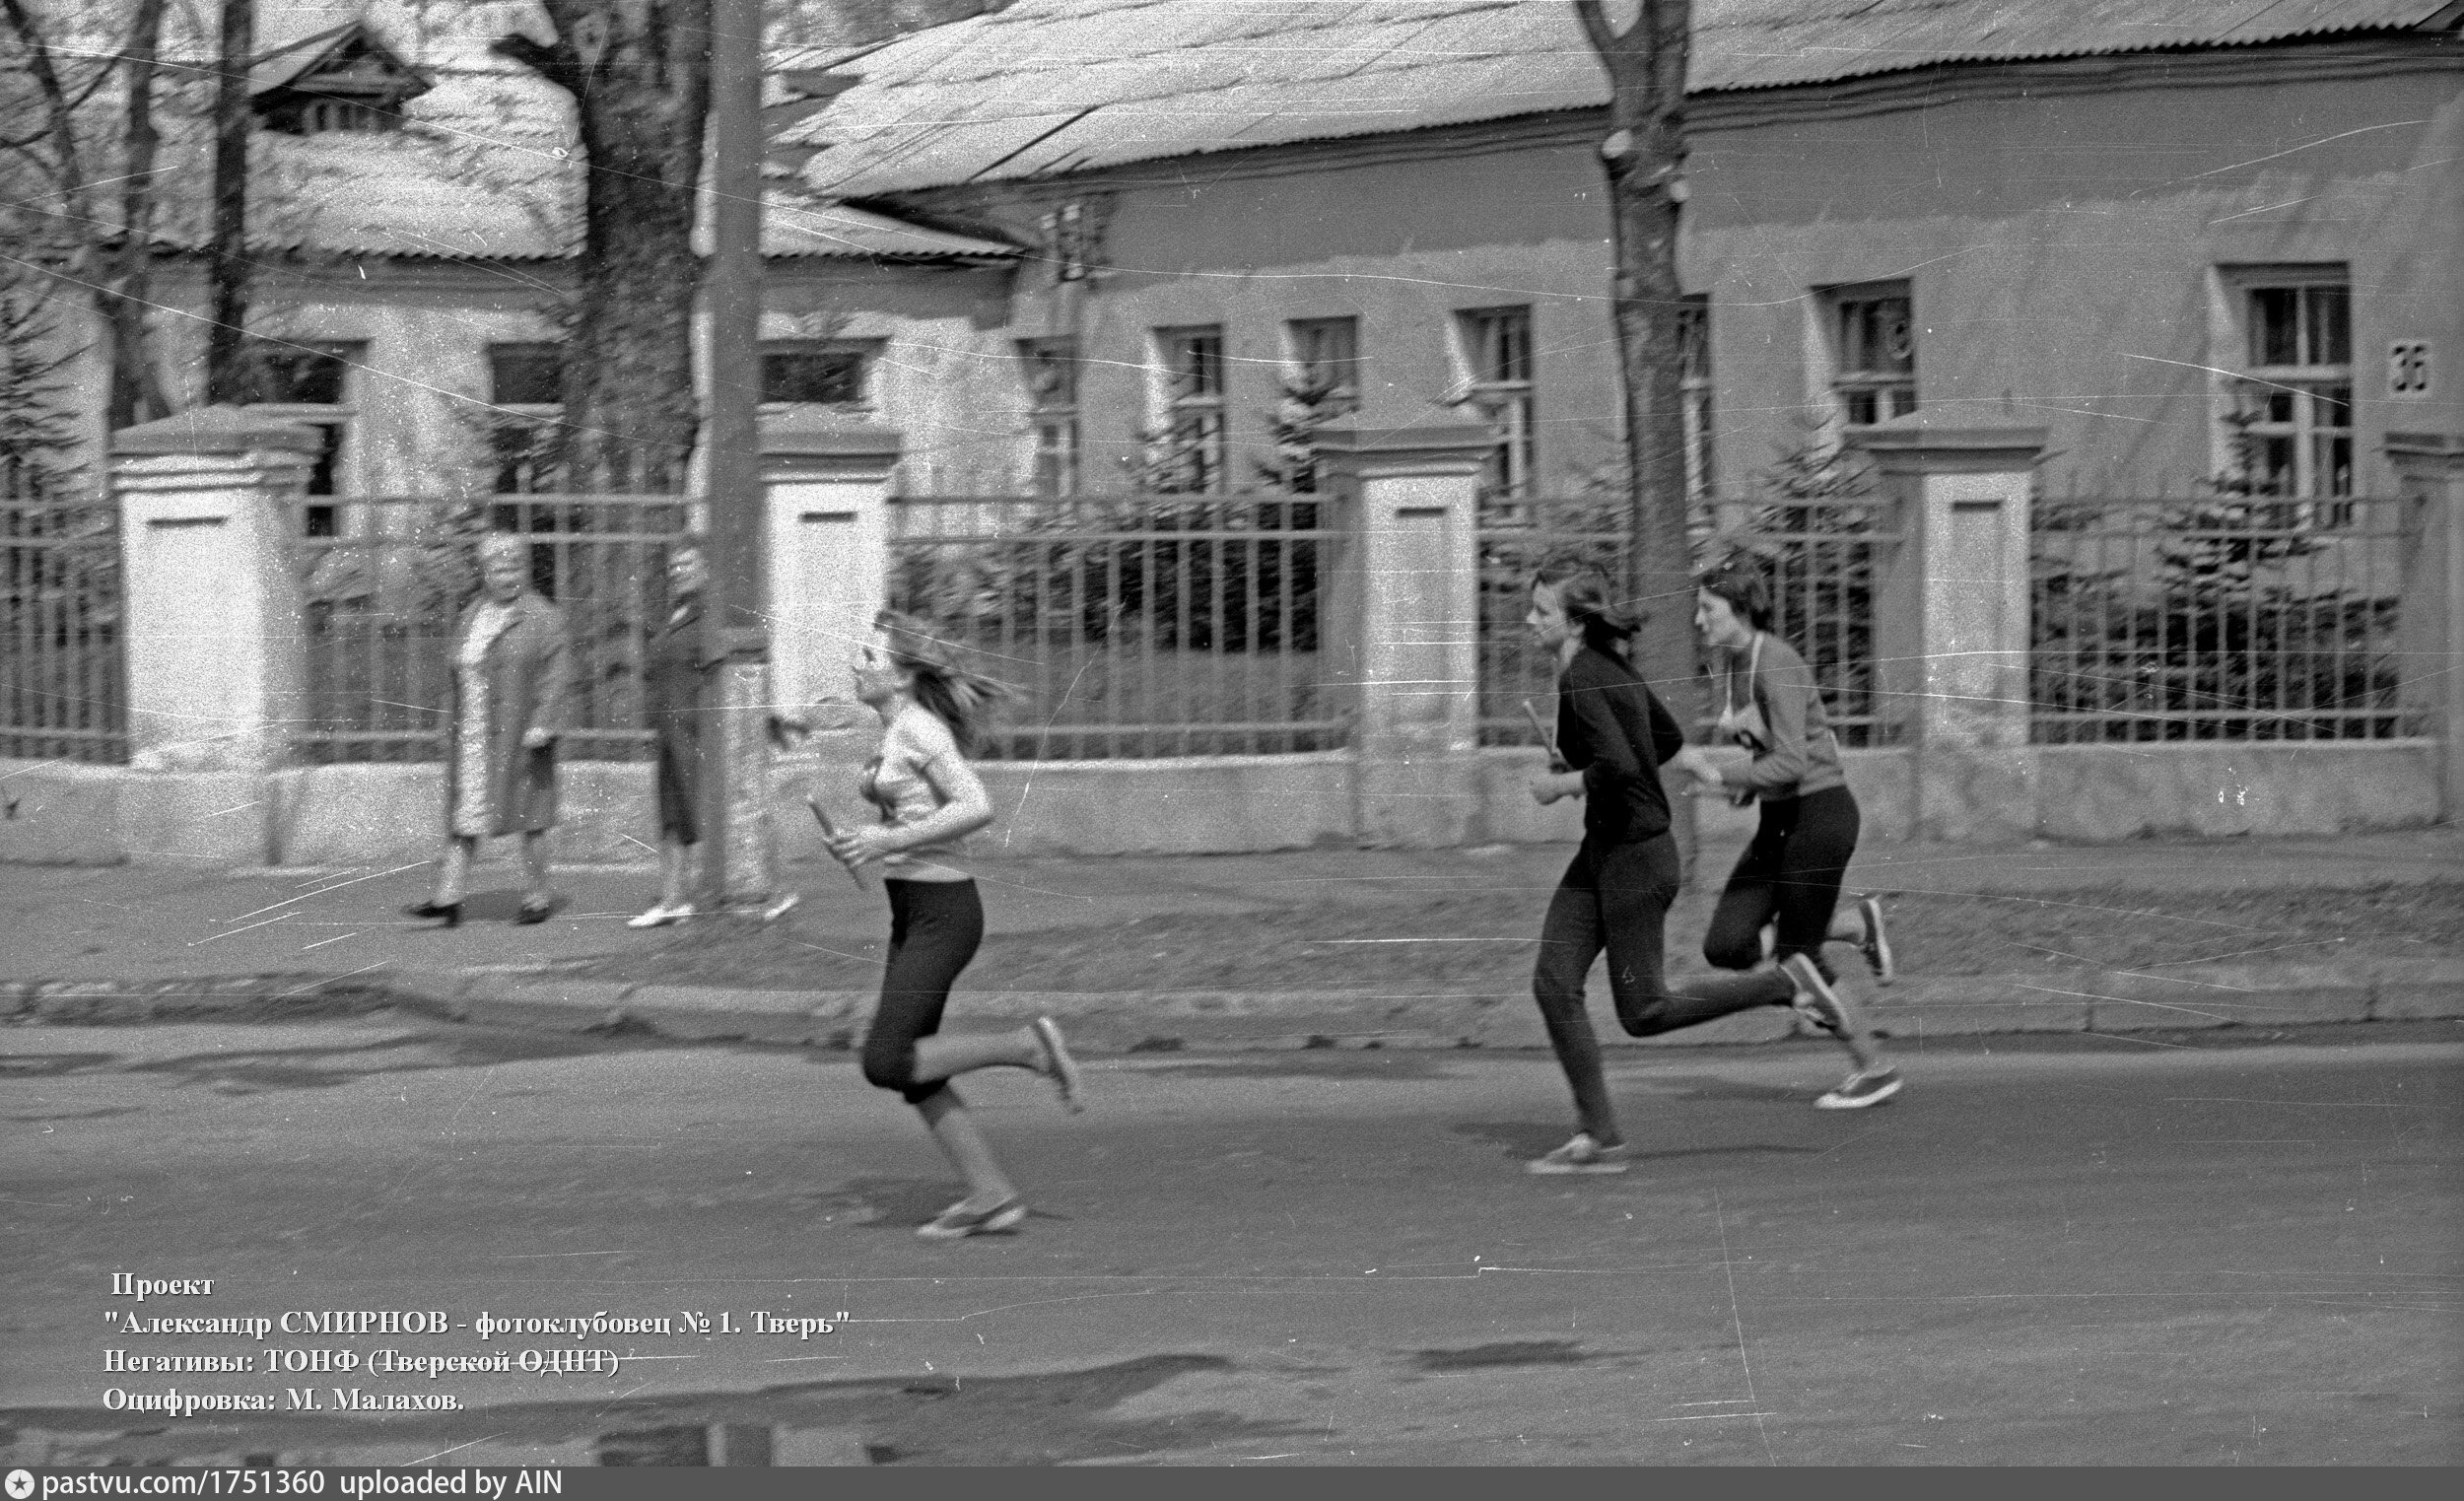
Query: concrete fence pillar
x,y
829,536
1963,496
1410,496
2430,468
213,624
828,530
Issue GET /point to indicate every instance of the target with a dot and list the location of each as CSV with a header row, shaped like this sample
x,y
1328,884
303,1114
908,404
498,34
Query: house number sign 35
x,y
2408,367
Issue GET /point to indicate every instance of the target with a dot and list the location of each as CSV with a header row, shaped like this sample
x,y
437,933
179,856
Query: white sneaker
x,y
660,917
1866,1086
1581,1154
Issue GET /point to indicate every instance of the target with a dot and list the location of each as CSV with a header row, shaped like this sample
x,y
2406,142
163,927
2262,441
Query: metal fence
x,y
1139,624
383,598
2217,619
63,674
1821,560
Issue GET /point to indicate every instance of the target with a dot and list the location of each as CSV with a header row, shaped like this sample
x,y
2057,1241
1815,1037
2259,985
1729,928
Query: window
x,y
1872,341
1051,367
1194,457
821,374
2288,420
310,384
1496,349
1326,363
525,392
1693,332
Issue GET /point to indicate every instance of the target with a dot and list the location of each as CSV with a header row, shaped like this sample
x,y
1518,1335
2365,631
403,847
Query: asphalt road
x,y
2051,1251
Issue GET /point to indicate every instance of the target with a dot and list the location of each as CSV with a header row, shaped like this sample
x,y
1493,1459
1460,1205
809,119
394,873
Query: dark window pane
x,y
305,374
320,480
2275,335
525,374
813,374
2331,326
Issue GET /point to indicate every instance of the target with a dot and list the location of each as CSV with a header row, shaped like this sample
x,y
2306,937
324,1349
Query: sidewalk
x,y
126,943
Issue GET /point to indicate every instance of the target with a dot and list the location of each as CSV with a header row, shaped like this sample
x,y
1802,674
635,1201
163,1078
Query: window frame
x,y
2248,390
1892,389
866,354
334,471
1696,400
518,470
1051,413
1507,399
1305,358
1194,426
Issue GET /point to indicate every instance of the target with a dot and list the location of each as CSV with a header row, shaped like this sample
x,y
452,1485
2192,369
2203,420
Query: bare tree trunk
x,y
1643,155
136,384
74,217
228,378
639,72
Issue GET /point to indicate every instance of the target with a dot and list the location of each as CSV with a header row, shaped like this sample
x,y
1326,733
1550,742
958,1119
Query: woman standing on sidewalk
x,y
1613,737
930,799
1791,873
675,671
510,666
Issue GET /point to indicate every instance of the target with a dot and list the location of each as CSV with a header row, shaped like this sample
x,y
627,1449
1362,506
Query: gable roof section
x,y
1048,86
294,64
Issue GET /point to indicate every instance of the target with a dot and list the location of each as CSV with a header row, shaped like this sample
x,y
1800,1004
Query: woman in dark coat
x,y
674,678
512,695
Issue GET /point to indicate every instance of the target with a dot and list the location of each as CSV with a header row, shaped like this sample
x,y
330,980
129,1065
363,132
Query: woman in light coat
x,y
511,696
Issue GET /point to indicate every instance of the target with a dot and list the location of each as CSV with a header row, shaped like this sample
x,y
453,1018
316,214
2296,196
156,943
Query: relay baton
x,y
830,831
1548,738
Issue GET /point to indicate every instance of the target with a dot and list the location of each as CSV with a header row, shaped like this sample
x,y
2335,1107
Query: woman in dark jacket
x,y
675,673
1789,876
1613,737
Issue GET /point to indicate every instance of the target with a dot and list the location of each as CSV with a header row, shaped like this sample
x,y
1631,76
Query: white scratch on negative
x,y
1727,1265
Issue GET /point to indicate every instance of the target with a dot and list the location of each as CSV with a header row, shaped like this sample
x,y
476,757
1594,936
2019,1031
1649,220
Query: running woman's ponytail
x,y
958,697
1582,591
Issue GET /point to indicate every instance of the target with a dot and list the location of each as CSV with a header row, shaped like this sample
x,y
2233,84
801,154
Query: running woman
x,y
1613,737
1789,874
930,799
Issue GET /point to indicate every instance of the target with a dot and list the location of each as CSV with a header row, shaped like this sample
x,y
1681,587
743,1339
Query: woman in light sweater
x,y
1789,874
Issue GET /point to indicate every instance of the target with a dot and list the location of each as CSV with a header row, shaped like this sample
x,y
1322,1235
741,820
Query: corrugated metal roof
x,y
505,199
1049,85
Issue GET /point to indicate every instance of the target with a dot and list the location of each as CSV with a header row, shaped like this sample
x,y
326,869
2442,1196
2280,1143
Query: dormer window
x,y
342,81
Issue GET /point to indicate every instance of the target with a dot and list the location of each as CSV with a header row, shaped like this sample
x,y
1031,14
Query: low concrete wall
x,y
2098,793
363,815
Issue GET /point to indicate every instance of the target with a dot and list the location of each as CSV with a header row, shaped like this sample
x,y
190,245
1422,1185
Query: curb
x,y
1158,1021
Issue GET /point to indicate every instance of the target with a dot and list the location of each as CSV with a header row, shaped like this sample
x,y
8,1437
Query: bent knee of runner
x,y
1733,953
890,1063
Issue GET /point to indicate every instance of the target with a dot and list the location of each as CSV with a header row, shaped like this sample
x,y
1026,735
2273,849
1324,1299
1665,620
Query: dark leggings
x,y
1791,873
1616,897
935,927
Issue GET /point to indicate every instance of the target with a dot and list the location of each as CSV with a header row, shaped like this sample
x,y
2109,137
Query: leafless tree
x,y
1644,156
638,73
65,82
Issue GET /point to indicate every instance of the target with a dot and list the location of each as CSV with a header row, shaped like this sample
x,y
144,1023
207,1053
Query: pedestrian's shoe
x,y
1866,1086
661,915
1581,1154
957,1222
1814,1000
452,912
1876,944
535,910
1058,1066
